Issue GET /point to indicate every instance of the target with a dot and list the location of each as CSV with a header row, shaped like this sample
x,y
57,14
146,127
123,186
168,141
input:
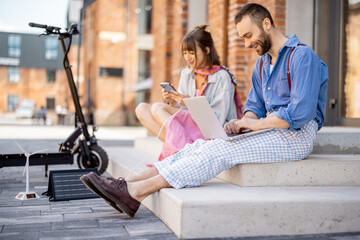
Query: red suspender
x,y
261,64
288,67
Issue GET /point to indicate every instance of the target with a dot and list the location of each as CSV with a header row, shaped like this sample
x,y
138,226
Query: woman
x,y
203,75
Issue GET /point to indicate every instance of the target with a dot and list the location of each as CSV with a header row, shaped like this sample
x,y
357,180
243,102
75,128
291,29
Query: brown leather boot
x,y
85,180
116,190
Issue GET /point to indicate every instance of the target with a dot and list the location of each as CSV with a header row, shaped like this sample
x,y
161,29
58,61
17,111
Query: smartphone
x,y
167,86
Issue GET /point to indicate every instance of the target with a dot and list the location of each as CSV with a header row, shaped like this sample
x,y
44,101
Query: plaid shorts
x,y
203,160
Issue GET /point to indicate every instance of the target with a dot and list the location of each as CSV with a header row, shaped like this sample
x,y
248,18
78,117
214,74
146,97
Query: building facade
x,y
31,68
142,39
127,47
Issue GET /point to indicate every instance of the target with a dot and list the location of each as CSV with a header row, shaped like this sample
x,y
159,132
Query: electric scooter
x,y
80,142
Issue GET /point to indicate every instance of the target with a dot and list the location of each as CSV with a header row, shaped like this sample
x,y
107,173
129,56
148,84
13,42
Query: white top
x,y
219,92
271,68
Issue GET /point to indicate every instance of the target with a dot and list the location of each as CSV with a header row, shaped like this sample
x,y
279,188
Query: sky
x,y
16,14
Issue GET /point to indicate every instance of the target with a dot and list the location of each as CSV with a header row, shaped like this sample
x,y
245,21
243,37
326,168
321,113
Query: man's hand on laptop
x,y
248,122
238,125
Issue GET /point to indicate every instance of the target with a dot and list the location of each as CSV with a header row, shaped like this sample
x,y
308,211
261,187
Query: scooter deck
x,y
11,160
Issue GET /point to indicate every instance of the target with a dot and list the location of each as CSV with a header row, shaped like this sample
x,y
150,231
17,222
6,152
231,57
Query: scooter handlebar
x,y
48,29
37,25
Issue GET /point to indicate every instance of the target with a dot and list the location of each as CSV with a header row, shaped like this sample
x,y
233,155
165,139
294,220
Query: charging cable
x,y
157,138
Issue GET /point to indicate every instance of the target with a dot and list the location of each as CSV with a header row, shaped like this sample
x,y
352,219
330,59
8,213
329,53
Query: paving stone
x,y
42,188
29,227
33,202
27,219
16,212
11,181
147,229
347,238
156,237
25,208
10,204
20,236
84,234
12,184
88,216
68,209
93,202
105,223
75,225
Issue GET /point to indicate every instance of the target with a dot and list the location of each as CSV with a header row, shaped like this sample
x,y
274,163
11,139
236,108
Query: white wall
x,y
300,20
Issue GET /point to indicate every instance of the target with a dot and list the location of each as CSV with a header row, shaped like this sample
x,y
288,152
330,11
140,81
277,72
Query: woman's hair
x,y
202,38
256,12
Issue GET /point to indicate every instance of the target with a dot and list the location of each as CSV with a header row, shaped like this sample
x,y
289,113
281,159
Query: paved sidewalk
x,y
86,219
76,219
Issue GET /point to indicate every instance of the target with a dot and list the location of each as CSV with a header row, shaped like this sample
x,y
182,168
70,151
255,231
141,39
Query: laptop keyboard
x,y
241,132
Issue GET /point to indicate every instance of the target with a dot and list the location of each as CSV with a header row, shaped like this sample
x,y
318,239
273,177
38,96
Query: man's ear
x,y
207,49
266,24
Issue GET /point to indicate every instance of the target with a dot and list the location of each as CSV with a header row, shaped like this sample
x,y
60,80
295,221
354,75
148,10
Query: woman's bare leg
x,y
145,175
161,112
143,113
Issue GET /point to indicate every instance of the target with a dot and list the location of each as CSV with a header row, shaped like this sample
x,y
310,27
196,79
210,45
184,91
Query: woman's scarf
x,y
209,71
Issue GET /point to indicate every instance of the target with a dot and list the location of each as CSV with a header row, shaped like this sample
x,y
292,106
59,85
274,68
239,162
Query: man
x,y
292,104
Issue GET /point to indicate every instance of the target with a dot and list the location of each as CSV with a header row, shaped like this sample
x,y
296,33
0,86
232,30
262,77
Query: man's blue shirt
x,y
309,81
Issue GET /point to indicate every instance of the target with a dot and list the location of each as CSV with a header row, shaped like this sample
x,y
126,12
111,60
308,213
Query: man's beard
x,y
264,43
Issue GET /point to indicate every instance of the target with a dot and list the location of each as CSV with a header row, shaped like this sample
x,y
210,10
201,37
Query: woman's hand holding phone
x,y
168,97
174,97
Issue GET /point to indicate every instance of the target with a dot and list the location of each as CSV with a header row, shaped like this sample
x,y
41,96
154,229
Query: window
x,y
50,103
13,74
350,97
51,48
14,45
144,12
50,76
337,43
13,102
144,65
144,80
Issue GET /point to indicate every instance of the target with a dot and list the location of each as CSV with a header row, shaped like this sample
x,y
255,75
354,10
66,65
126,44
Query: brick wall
x,y
179,29
217,20
169,27
131,58
103,48
169,24
232,51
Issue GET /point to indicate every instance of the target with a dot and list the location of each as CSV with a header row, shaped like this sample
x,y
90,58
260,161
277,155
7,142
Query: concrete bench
x,y
221,209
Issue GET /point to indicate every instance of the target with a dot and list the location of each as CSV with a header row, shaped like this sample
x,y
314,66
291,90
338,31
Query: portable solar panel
x,y
66,185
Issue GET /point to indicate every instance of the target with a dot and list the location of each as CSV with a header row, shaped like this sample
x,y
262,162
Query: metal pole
x,y
27,172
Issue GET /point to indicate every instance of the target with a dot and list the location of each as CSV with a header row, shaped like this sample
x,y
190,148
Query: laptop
x,y
200,110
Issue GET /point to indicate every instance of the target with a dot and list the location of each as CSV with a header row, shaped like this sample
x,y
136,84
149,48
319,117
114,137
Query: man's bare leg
x,y
141,189
143,176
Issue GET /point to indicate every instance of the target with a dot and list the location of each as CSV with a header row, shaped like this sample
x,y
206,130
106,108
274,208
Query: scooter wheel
x,y
98,159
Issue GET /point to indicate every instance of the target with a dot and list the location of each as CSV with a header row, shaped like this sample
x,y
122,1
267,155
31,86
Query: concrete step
x,y
221,209
338,140
316,170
